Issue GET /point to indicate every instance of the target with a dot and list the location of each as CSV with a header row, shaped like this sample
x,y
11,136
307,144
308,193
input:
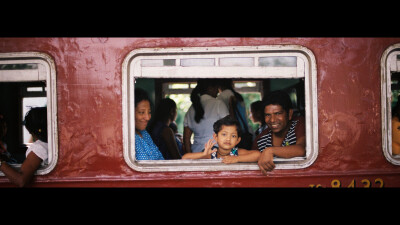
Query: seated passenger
x,y
227,133
178,137
257,116
285,135
144,145
37,153
163,136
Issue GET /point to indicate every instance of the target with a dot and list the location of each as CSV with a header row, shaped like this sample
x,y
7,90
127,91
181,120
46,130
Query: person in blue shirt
x,y
144,145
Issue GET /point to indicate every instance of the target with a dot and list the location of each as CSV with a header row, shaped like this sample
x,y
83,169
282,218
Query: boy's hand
x,y
230,159
207,147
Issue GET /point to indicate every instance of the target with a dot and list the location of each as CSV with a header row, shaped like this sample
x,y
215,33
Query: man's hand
x,y
265,162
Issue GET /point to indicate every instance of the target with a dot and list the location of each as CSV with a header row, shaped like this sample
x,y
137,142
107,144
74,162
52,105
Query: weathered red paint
x,y
89,99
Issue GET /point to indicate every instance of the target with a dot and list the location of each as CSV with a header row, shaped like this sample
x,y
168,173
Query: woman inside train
x,y
163,136
202,114
144,145
36,154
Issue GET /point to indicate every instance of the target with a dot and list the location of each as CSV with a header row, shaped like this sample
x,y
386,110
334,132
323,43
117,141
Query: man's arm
x,y
266,163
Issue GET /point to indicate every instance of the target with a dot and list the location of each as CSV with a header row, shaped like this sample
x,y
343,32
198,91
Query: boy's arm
x,y
195,155
243,156
201,155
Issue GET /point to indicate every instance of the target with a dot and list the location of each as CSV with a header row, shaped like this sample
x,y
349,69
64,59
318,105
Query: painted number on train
x,y
377,183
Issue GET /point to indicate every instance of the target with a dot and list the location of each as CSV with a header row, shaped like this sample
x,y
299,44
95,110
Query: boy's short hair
x,y
227,121
278,97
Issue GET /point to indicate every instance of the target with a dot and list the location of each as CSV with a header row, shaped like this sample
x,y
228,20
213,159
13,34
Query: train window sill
x,y
17,166
210,165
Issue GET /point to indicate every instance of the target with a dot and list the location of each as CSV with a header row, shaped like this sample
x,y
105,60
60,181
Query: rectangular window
x,y
390,96
28,79
250,66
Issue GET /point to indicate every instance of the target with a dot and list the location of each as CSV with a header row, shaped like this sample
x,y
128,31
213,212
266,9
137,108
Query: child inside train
x,y
227,133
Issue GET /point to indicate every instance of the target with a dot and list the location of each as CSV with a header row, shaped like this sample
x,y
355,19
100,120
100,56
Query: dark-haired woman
x,y
163,136
145,148
36,154
202,114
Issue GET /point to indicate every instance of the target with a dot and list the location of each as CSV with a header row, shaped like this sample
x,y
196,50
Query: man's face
x,y
277,118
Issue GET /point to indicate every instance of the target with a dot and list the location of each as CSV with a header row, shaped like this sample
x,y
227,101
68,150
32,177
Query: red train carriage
x,y
345,88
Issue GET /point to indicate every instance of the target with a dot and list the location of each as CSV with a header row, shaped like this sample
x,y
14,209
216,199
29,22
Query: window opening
x,y
390,91
28,79
245,64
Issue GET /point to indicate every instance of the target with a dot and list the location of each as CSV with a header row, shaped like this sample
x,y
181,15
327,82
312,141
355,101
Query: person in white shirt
x,y
237,109
202,114
36,154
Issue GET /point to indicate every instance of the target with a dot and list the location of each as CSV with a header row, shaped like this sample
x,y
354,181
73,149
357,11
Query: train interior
x,y
16,99
395,86
251,89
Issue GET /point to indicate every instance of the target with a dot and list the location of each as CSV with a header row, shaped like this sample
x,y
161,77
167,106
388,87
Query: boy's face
x,y
227,137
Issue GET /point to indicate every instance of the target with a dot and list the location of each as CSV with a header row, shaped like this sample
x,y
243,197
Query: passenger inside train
x,y
257,116
144,145
227,135
202,114
36,154
237,109
285,135
251,90
163,136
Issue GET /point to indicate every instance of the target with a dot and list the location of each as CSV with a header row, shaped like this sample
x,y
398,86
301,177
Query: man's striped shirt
x,y
296,130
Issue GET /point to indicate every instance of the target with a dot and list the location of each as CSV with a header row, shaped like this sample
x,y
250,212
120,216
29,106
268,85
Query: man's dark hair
x,y
278,97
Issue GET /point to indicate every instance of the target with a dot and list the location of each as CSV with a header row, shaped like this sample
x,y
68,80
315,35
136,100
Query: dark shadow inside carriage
x,y
251,90
16,99
395,87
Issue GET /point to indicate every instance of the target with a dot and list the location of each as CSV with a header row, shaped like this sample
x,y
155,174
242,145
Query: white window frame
x,y
389,64
45,72
132,69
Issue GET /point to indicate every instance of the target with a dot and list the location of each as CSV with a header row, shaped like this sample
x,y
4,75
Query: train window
x,y
27,79
390,97
255,70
